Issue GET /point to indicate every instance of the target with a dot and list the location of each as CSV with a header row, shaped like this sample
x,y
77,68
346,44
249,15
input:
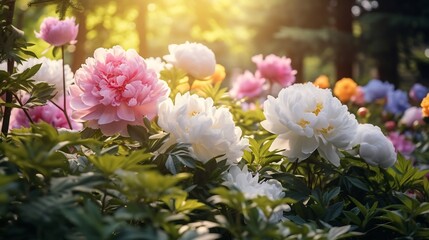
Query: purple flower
x,y
412,115
418,92
376,89
401,143
397,102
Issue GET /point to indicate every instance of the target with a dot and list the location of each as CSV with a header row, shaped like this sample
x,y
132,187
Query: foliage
x,y
65,184
124,191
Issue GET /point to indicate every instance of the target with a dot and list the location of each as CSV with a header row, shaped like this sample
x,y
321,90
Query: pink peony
x,y
114,89
48,113
58,32
401,143
247,85
359,97
275,69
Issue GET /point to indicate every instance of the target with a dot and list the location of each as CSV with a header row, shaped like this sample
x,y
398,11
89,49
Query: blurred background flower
x,y
247,85
345,89
51,71
58,32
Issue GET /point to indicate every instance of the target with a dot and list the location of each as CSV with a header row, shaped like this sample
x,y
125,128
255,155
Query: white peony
x,y
210,131
157,65
250,186
194,58
307,118
51,72
375,148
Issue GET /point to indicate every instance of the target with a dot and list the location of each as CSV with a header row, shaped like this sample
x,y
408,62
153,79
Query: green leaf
x,y
361,207
40,93
109,164
352,217
28,73
331,194
333,211
149,185
423,208
357,183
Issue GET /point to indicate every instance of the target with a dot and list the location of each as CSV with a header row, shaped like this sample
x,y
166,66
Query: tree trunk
x,y
297,58
387,65
10,63
79,54
141,26
345,52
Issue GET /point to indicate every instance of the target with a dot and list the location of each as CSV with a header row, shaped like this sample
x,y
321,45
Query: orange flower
x,y
344,89
425,106
200,84
322,81
219,74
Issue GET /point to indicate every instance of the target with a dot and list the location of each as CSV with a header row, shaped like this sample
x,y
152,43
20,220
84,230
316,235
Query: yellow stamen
x,y
326,130
319,108
303,123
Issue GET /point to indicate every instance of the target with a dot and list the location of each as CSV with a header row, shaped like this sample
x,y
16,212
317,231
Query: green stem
x,y
310,184
295,167
103,201
64,90
191,81
25,110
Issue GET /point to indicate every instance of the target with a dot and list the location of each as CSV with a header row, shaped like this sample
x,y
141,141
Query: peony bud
x,y
375,148
363,112
194,58
390,125
58,32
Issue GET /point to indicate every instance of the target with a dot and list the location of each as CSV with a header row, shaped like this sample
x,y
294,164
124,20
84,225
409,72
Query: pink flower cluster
x,y
273,73
48,113
58,32
115,89
275,69
247,85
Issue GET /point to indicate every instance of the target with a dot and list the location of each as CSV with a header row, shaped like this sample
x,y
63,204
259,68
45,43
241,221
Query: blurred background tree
x,y
393,32
362,39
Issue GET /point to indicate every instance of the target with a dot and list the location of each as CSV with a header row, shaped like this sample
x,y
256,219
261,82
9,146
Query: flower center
x,y
326,130
193,113
303,123
319,108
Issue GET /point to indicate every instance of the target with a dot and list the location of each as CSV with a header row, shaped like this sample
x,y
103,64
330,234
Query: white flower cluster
x,y
51,71
210,131
250,186
307,118
157,65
